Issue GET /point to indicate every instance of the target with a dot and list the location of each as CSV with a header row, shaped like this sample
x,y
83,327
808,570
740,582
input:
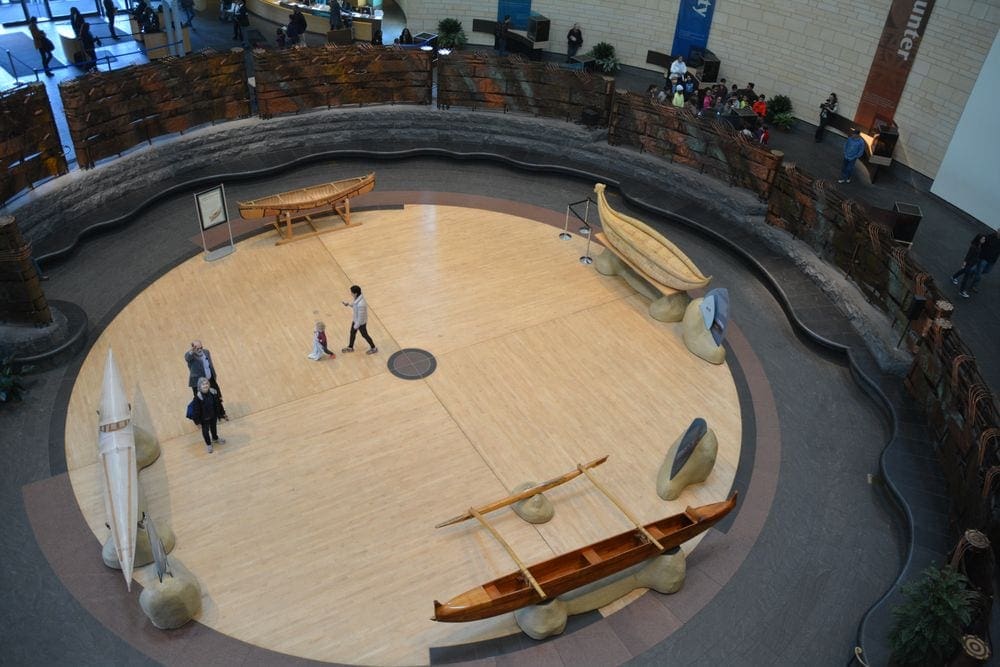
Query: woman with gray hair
x,y
207,410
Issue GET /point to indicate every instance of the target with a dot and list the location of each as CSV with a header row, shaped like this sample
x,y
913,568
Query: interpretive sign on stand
x,y
212,212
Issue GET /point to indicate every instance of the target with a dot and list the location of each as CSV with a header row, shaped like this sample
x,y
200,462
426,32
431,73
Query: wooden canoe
x,y
116,451
307,199
583,566
647,249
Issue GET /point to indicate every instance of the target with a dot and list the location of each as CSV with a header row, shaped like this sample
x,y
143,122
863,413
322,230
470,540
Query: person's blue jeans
x,y
847,169
972,276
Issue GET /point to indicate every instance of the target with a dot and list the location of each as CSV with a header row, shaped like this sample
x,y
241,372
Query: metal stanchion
x,y
586,259
565,235
585,230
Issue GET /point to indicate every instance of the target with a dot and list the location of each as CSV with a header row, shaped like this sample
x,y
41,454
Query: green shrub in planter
x,y
10,383
784,121
929,622
604,55
450,34
778,104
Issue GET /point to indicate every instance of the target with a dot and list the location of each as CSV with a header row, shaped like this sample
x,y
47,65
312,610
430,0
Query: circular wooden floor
x,y
312,529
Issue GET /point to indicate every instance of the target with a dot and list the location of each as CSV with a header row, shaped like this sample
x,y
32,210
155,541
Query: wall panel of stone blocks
x,y
484,81
30,149
296,80
110,112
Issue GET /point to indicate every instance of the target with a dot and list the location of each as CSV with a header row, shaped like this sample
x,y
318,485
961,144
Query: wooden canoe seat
x,y
591,556
492,591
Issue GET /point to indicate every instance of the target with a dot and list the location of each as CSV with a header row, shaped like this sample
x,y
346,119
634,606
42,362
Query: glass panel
x,y
59,9
13,12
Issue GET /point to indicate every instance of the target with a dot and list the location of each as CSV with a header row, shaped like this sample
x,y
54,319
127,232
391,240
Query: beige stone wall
x,y
954,46
801,48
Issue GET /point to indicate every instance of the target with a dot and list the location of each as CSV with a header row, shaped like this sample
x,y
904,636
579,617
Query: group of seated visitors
x,y
681,89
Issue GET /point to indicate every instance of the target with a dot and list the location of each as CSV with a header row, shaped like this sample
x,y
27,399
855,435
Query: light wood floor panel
x,y
311,530
432,292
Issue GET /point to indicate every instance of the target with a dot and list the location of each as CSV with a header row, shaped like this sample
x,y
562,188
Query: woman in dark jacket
x,y
207,410
971,257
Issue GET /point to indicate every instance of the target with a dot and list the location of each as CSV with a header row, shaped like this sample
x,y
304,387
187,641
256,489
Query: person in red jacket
x,y
319,344
760,106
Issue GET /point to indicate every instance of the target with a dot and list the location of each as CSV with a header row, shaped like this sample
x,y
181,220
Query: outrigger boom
x,y
535,490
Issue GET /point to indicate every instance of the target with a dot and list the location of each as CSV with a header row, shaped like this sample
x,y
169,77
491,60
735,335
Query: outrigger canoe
x,y
307,199
578,568
116,447
647,249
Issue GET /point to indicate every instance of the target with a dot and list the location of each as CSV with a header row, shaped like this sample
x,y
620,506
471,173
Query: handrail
x,y
13,70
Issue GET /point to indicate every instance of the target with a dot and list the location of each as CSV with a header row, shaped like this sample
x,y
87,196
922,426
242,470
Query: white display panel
x,y
969,176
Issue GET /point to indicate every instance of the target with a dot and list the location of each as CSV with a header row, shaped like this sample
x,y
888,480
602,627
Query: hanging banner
x,y
693,22
904,28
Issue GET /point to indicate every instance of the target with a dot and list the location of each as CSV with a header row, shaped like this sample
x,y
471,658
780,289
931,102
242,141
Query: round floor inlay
x,y
412,364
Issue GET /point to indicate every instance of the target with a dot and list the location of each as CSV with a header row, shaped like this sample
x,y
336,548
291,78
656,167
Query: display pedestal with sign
x,y
212,213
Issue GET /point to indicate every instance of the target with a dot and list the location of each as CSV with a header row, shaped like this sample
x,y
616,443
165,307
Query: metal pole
x,y
585,230
12,69
565,235
587,259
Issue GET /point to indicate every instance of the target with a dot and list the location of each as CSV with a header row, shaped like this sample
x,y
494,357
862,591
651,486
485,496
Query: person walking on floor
x,y
188,7
206,411
319,343
90,44
971,260
240,19
359,321
42,43
109,11
200,367
854,148
987,258
574,40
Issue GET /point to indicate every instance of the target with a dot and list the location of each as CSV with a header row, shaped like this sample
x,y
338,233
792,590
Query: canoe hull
x,y
578,568
647,249
307,199
116,455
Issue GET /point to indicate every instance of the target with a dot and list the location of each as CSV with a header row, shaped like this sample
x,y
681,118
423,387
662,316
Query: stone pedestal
x,y
664,574
143,550
147,448
536,509
698,338
174,601
666,306
696,470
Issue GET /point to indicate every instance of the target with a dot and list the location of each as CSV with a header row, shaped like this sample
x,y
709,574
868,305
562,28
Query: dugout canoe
x,y
116,453
583,566
647,249
307,199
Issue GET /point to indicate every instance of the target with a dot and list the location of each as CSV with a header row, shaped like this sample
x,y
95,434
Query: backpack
x,y
190,409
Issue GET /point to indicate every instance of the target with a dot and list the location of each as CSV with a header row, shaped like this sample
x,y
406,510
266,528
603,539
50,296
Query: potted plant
x,y
779,104
10,383
450,34
783,121
604,55
929,622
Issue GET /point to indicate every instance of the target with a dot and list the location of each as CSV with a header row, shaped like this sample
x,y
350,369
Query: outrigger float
x,y
551,578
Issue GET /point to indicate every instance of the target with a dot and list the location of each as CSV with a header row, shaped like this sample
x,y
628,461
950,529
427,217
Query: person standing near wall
x,y
854,148
240,19
825,109
574,40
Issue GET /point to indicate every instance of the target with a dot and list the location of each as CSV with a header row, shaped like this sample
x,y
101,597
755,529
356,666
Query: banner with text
x,y
693,22
904,28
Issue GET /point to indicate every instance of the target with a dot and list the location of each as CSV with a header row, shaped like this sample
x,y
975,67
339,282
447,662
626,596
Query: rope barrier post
x,y
565,235
587,259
